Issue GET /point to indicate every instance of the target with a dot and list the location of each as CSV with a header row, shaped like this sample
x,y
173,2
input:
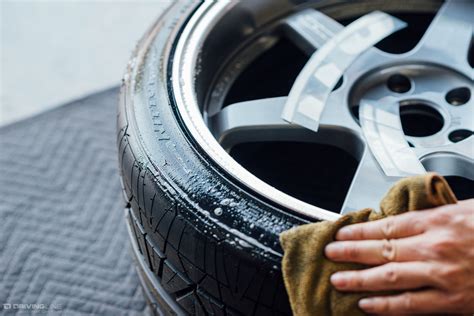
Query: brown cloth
x,y
306,270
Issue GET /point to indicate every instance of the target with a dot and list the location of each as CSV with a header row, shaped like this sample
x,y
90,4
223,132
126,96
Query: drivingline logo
x,y
32,307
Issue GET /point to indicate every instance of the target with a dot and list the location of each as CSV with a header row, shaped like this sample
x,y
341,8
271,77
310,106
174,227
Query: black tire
x,y
193,260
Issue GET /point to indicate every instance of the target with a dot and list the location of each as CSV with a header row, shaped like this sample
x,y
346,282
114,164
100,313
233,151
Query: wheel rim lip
x,y
183,67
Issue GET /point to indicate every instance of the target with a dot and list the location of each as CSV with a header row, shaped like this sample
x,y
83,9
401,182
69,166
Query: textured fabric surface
x,y
63,241
306,270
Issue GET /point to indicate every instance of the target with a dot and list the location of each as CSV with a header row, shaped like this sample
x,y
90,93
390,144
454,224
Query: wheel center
x,y
434,102
420,119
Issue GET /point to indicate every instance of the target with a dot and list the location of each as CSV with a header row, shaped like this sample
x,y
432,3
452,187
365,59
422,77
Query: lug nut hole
x,y
399,83
458,96
459,135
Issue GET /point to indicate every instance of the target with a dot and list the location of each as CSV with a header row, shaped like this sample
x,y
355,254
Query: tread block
x,y
281,300
172,280
188,302
220,271
200,251
245,279
176,231
193,272
135,209
165,223
263,310
199,307
232,312
162,203
174,259
139,234
211,285
244,305
210,259
156,257
212,306
256,285
127,161
267,295
191,238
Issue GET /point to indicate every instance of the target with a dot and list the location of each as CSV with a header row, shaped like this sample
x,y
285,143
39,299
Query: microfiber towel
x,y
306,270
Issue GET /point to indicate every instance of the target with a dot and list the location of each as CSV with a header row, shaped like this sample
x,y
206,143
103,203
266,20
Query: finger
x,y
376,251
399,315
390,276
426,301
399,226
405,314
469,202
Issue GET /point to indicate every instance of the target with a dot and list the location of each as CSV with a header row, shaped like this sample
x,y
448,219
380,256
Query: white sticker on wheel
x,y
320,75
382,128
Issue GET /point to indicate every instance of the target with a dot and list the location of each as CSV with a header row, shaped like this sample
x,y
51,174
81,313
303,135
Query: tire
x,y
204,243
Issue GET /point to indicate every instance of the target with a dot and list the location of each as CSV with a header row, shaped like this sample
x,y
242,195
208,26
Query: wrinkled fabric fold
x,y
306,270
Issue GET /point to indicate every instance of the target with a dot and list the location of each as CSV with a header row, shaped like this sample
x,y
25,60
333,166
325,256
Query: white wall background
x,y
56,51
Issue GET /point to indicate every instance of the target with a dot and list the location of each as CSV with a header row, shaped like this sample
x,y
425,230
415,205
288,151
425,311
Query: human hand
x,y
429,255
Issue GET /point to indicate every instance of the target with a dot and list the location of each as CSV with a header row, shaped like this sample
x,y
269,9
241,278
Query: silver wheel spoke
x,y
336,112
369,181
254,120
310,29
448,38
259,120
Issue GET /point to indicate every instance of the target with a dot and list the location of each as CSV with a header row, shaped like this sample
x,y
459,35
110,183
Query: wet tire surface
x,y
209,242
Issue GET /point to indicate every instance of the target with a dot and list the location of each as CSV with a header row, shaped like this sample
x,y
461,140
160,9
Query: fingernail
x,y
366,304
339,280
